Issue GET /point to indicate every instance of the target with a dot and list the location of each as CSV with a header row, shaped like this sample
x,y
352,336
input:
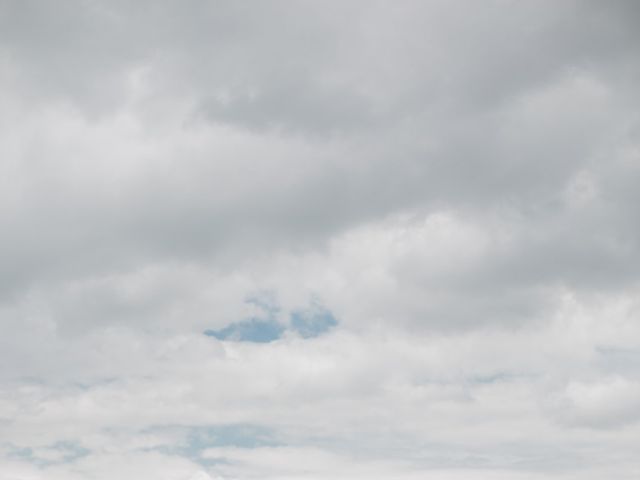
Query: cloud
x,y
609,402
407,230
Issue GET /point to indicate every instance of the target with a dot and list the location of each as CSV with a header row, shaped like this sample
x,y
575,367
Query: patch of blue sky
x,y
198,439
489,378
499,377
313,321
263,328
309,322
251,330
235,435
63,452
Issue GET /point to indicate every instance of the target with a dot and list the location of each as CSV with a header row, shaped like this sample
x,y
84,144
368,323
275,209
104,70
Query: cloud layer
x,y
319,240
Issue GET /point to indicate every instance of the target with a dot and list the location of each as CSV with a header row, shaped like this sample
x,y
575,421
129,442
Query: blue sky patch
x,y
262,329
308,322
252,330
313,321
64,452
198,439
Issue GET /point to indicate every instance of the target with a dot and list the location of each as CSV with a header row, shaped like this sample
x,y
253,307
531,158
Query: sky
x,y
319,240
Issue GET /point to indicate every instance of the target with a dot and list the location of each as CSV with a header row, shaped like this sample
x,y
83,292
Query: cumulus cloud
x,y
293,239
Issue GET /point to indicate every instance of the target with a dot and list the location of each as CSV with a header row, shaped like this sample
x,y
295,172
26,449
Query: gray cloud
x,y
456,183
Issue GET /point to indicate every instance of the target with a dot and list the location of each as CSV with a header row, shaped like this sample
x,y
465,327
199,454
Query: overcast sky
x,y
319,240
